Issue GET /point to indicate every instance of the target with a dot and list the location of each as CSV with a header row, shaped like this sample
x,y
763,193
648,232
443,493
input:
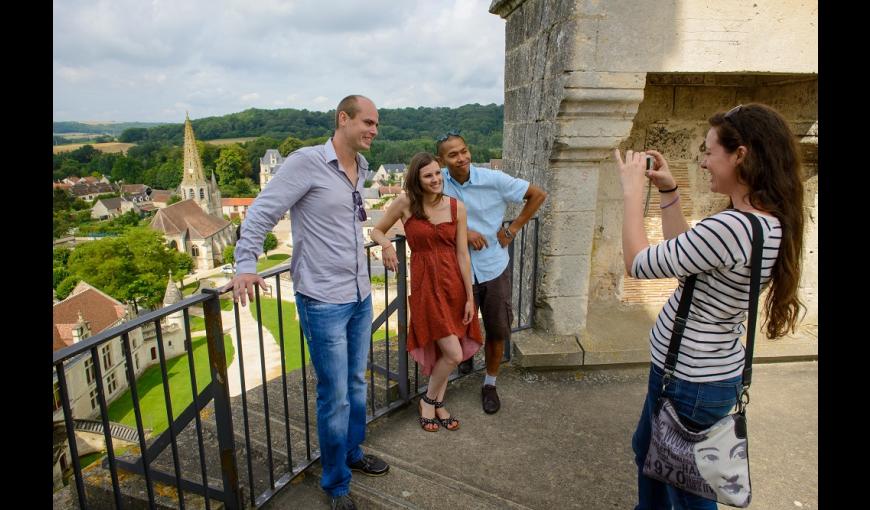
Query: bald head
x,y
350,105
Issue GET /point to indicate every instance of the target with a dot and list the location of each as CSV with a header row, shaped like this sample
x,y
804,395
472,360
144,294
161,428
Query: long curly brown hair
x,y
772,171
412,183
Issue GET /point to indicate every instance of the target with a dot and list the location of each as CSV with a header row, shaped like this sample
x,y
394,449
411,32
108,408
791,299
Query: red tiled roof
x,y
229,202
133,188
187,215
160,195
62,185
96,307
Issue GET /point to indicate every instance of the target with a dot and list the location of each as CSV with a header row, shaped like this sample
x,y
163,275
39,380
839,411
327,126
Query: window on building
x,y
107,357
190,193
64,465
111,383
57,402
153,353
201,194
89,371
136,360
93,399
194,251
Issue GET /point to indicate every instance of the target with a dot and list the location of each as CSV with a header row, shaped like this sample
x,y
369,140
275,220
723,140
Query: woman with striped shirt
x,y
751,156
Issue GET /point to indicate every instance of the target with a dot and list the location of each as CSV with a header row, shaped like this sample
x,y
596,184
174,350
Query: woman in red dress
x,y
443,329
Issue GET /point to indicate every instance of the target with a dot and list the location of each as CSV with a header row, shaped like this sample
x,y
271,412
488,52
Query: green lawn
x,y
190,288
292,354
271,261
150,388
196,323
269,315
227,304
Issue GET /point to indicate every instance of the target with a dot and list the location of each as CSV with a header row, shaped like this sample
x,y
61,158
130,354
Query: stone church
x,y
196,225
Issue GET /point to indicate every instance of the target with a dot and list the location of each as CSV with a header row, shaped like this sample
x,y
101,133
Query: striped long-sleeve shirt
x,y
718,250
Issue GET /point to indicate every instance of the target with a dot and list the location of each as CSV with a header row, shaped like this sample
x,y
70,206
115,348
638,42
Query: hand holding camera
x,y
659,173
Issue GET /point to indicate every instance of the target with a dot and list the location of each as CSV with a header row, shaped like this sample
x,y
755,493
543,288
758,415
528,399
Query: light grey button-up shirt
x,y
329,262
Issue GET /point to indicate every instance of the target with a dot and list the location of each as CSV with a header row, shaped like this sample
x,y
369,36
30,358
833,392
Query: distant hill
x,y
109,128
477,122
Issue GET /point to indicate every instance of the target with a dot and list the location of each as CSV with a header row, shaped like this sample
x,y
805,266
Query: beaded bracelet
x,y
669,190
672,202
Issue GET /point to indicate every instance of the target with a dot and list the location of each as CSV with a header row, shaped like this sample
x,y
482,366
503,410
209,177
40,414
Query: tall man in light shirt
x,y
486,194
321,187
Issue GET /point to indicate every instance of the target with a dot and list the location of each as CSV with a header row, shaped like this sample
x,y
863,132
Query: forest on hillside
x,y
157,157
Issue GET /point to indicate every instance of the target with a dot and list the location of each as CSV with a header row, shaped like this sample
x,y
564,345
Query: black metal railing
x,y
275,414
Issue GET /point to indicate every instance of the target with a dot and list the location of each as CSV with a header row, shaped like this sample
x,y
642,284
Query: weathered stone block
x,y
698,103
561,315
573,188
533,348
605,80
570,234
596,126
566,275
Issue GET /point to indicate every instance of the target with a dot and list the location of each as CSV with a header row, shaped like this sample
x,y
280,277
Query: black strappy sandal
x,y
446,422
428,421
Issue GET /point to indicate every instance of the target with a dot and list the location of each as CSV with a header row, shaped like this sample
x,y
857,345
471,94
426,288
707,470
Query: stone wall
x,y
585,76
673,120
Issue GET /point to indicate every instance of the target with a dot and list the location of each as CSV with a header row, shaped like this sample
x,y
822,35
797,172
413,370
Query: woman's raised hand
x,y
660,175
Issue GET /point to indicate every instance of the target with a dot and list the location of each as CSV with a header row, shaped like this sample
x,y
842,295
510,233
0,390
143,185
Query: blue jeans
x,y
338,340
699,405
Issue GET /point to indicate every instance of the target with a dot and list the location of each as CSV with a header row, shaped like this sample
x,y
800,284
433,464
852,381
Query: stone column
x,y
562,118
595,115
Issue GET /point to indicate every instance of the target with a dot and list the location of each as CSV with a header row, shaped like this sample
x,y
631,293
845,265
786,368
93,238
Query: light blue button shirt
x,y
486,195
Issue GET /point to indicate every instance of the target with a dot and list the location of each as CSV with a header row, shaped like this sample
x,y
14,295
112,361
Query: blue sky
x,y
150,61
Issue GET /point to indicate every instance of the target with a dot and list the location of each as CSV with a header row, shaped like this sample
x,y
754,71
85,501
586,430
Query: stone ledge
x,y
534,348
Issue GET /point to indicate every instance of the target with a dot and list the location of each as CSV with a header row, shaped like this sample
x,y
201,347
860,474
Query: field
x,y
103,147
230,141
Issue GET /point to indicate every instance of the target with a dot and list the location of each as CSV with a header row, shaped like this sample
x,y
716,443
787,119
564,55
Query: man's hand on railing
x,y
243,284
476,240
390,258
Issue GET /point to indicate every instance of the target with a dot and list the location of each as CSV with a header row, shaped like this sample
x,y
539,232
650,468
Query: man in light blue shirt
x,y
321,187
486,194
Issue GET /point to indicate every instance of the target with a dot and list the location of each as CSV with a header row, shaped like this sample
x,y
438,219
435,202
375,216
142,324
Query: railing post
x,y
223,414
402,296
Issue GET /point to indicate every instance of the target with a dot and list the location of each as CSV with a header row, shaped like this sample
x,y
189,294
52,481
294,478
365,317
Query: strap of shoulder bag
x,y
754,291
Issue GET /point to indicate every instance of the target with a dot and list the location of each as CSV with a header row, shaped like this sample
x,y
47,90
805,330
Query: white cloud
x,y
139,59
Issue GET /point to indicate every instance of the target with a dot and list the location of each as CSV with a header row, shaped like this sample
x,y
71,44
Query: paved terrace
x,y
563,440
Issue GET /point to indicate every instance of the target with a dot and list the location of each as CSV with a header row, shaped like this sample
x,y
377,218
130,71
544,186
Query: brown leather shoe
x,y
489,397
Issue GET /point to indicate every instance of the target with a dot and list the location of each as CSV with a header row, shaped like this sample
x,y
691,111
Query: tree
x,y
269,243
289,145
173,199
133,135
132,266
232,164
229,254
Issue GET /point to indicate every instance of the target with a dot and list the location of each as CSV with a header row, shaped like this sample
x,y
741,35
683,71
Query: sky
x,y
154,60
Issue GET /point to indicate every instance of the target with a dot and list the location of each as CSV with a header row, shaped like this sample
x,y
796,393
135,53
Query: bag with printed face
x,y
712,463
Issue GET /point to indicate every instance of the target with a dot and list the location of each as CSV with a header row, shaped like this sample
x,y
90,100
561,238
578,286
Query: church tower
x,y
194,185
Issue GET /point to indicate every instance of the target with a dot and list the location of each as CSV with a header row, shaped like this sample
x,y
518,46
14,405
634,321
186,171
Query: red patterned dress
x,y
437,292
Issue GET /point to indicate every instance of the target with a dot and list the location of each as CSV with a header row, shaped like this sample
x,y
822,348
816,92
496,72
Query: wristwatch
x,y
507,233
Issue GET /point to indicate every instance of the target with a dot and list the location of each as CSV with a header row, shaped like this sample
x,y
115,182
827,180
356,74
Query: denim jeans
x,y
338,340
699,405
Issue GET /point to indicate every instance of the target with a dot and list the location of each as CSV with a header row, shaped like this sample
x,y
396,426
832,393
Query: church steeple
x,y
194,184
192,161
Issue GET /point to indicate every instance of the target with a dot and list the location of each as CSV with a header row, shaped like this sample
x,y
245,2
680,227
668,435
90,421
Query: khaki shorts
x,y
493,298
